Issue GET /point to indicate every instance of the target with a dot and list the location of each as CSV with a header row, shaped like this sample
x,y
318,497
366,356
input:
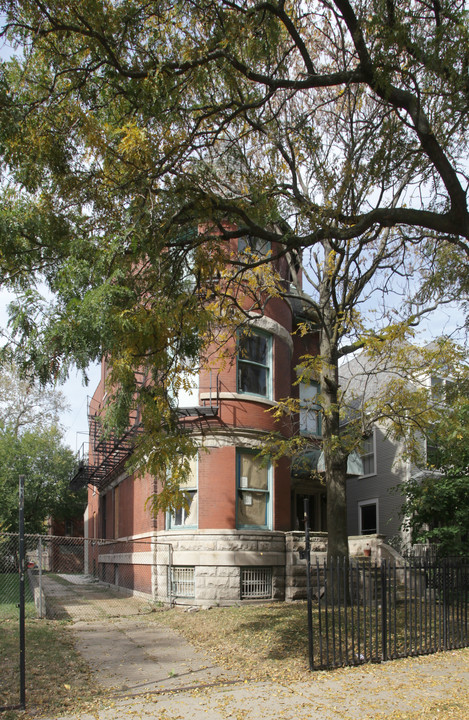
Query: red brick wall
x,y
282,496
134,517
217,489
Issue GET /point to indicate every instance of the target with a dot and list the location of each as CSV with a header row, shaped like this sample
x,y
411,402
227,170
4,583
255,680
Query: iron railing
x,y
370,613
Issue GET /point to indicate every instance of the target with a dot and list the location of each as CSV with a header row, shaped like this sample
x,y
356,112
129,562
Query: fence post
x,y
445,605
170,575
40,576
384,611
308,584
21,605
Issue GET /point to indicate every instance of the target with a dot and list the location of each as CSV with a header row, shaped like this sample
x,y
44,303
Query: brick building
x,y
239,536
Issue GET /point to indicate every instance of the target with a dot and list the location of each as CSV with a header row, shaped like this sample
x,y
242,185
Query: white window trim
x,y
364,503
375,460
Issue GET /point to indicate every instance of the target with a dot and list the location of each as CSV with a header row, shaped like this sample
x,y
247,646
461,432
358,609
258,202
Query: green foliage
x,y
436,508
138,139
47,465
31,445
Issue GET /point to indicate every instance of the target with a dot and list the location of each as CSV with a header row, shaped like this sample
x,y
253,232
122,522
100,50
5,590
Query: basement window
x,y
182,582
256,583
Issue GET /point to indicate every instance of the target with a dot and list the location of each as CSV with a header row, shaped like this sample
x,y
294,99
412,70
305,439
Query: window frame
x,y
186,580
258,247
307,410
256,582
373,454
365,503
245,361
239,489
170,517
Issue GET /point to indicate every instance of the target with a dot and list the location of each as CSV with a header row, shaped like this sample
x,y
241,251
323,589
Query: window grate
x,y
256,583
182,582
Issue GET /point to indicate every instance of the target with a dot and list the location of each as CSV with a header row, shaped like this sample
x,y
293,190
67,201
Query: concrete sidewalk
x,y
131,656
150,672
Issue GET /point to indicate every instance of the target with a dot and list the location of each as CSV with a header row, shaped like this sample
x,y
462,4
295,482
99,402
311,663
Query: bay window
x,y
253,478
255,364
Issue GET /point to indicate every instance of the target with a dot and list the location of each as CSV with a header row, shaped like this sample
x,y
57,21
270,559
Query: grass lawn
x,y
10,596
269,642
266,641
57,679
260,642
55,674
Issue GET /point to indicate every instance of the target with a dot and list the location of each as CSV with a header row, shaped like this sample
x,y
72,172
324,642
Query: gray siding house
x,y
373,499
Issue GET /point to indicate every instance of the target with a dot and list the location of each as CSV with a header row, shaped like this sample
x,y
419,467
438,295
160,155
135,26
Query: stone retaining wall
x,y
295,567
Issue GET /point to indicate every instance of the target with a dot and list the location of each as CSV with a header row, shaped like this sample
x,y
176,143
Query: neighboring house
x,y
238,537
373,499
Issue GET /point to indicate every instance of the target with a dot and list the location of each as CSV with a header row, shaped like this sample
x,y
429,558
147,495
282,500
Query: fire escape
x,y
101,459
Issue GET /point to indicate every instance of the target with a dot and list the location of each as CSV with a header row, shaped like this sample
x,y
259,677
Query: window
x,y
433,455
442,390
250,245
182,582
256,583
254,364
368,517
253,491
368,455
310,417
186,517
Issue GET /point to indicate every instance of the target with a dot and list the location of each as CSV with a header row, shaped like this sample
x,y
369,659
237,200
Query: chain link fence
x,y
84,579
75,579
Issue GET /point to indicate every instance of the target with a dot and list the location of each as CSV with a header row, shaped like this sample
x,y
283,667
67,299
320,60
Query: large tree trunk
x,y
334,455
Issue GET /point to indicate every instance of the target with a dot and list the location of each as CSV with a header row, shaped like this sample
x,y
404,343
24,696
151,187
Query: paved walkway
x,y
132,656
150,672
79,597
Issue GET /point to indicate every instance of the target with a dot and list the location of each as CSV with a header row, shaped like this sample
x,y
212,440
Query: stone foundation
x,y
218,559
207,567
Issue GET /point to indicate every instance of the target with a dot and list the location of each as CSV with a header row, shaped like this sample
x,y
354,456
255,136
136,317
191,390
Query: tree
x,y
333,130
436,507
31,445
24,404
46,464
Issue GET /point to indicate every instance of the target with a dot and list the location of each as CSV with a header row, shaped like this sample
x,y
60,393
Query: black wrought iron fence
x,y
370,613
